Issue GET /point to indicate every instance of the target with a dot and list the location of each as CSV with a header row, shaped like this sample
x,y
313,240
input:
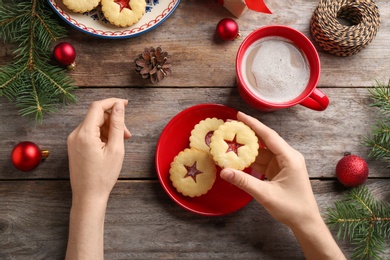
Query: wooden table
x,y
142,221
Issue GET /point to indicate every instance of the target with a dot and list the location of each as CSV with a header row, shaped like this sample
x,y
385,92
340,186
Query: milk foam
x,y
280,70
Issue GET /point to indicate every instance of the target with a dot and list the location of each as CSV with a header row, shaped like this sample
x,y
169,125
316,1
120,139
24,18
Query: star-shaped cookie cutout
x,y
233,145
123,4
192,171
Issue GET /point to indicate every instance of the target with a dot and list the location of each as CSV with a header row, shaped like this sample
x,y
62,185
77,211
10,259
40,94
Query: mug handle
x,y
317,100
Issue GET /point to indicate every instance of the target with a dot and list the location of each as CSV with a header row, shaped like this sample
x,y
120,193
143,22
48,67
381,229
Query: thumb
x,y
117,125
246,182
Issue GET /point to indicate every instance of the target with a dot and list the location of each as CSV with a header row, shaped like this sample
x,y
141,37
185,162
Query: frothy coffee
x,y
275,69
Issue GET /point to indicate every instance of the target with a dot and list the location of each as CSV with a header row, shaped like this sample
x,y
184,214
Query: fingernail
x,y
227,174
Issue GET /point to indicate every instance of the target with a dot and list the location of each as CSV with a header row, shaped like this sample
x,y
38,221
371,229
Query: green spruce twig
x,y
379,141
364,220
35,85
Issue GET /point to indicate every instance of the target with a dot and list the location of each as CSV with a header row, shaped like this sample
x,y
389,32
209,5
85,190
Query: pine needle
x,y
379,140
35,85
364,221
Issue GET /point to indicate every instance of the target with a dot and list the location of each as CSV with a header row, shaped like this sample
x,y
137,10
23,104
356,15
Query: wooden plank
x,y
199,59
322,137
144,223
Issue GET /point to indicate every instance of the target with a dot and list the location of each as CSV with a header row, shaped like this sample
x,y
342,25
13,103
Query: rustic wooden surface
x,y
142,221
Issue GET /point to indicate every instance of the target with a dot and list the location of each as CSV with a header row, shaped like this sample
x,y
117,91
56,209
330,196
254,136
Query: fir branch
x,y
364,220
7,77
36,85
381,96
379,140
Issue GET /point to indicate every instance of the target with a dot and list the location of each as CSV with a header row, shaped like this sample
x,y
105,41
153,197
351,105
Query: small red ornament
x,y
26,156
352,170
227,29
65,54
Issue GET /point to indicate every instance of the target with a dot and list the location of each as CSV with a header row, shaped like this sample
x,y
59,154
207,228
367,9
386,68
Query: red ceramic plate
x,y
223,198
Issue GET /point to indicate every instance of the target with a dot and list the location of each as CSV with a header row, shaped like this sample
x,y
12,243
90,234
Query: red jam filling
x,y
233,145
192,171
208,136
123,4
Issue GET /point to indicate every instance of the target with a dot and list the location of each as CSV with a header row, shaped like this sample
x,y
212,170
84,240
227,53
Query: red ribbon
x,y
258,5
255,5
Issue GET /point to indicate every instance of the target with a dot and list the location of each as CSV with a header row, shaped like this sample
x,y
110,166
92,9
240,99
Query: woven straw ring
x,y
340,39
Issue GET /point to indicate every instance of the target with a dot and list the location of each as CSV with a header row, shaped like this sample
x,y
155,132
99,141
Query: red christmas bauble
x,y
352,170
227,29
26,156
65,54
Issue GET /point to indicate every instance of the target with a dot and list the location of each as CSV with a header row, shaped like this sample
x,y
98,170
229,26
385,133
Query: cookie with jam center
x,y
193,172
234,145
202,132
123,13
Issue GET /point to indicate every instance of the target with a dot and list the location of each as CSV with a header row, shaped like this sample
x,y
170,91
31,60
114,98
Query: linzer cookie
x,y
81,6
193,172
234,145
123,13
202,132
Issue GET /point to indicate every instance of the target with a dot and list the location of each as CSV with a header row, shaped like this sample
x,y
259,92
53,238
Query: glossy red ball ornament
x,y
227,29
352,170
26,156
65,54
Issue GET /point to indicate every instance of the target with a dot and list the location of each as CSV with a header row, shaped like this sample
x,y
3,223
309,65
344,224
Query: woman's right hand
x,y
287,195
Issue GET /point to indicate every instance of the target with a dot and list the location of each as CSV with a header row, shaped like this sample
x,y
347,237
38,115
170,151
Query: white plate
x,y
95,24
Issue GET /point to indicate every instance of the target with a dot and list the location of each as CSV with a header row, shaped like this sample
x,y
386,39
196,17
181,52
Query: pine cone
x,y
153,64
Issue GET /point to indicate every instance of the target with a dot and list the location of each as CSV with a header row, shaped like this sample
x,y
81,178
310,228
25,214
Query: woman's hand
x,y
96,152
287,194
96,149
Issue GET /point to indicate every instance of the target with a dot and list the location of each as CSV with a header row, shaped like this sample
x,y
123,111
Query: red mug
x,y
310,97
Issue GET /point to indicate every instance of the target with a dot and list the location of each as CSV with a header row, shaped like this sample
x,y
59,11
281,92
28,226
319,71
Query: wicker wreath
x,y
340,39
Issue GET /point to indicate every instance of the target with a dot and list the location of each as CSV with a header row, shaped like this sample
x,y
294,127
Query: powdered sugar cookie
x,y
234,145
81,6
123,13
202,132
193,172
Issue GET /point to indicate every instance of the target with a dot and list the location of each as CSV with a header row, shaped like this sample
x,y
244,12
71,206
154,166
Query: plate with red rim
x,y
94,23
223,198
